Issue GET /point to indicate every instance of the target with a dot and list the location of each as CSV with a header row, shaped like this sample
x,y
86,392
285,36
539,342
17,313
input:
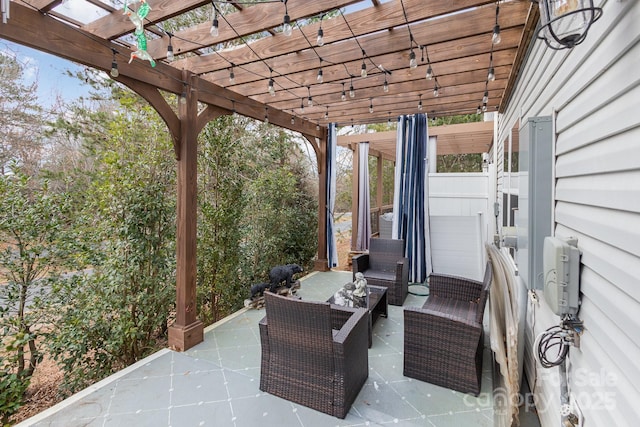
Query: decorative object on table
x,y
443,339
385,265
313,356
282,273
138,20
256,300
361,286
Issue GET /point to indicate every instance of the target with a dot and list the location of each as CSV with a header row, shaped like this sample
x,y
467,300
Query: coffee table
x,y
375,302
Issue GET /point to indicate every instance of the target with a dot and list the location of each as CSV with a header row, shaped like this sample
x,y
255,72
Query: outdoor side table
x,y
375,302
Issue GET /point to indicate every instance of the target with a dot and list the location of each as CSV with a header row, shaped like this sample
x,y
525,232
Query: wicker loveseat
x,y
385,265
312,356
443,340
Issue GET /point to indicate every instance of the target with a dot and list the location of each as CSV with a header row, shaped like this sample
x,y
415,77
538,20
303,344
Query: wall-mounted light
x,y
564,24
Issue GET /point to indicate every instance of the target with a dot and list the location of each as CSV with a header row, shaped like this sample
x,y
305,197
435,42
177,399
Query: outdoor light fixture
x,y
309,99
495,37
266,114
286,27
412,59
484,107
485,98
272,90
114,65
436,90
293,120
363,69
232,76
370,105
385,86
319,78
565,23
479,110
352,92
170,56
491,76
429,73
320,38
326,113
420,103
301,106
344,95
214,24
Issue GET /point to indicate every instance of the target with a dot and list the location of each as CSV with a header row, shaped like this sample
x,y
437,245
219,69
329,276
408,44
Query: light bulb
x,y
326,114
286,28
266,119
370,107
272,90
214,28
495,38
293,120
352,92
319,78
363,70
429,73
492,75
343,96
170,56
232,77
435,91
485,98
484,107
385,86
413,63
310,101
320,38
114,69
420,106
183,98
479,110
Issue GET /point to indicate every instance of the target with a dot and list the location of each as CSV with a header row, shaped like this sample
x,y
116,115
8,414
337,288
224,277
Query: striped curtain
x,y
364,204
332,250
411,195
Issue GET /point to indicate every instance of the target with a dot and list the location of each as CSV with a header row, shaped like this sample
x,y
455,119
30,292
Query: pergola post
x,y
187,330
321,263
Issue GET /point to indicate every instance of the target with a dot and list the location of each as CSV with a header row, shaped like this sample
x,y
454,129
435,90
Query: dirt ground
x,y
43,390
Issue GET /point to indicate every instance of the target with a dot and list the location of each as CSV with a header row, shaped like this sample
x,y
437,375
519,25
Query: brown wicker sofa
x,y
311,355
443,340
385,265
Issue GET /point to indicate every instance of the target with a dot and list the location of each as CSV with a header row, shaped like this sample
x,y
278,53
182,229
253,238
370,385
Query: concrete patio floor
x,y
216,383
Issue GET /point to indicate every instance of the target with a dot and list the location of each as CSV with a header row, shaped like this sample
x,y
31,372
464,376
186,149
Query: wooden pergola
x,y
453,39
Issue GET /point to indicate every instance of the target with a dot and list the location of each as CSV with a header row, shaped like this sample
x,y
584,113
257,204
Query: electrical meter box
x,y
561,266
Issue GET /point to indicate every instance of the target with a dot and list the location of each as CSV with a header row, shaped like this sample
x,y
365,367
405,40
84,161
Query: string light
x,y
114,65
344,95
485,98
309,99
363,69
266,114
495,37
484,107
214,24
412,59
370,105
389,119
352,92
320,78
183,96
272,89
479,110
301,106
429,75
232,76
170,56
385,86
286,28
492,75
326,113
436,90
293,120
420,103
320,39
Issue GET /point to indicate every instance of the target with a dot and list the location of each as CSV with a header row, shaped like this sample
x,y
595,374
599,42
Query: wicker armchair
x,y
311,356
443,340
385,265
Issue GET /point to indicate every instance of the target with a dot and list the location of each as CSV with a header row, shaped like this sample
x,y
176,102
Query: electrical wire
x,y
550,347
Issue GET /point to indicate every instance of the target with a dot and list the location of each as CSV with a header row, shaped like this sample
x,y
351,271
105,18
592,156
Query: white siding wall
x,y
594,92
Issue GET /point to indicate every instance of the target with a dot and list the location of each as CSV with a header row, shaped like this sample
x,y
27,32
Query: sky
x,y
49,71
